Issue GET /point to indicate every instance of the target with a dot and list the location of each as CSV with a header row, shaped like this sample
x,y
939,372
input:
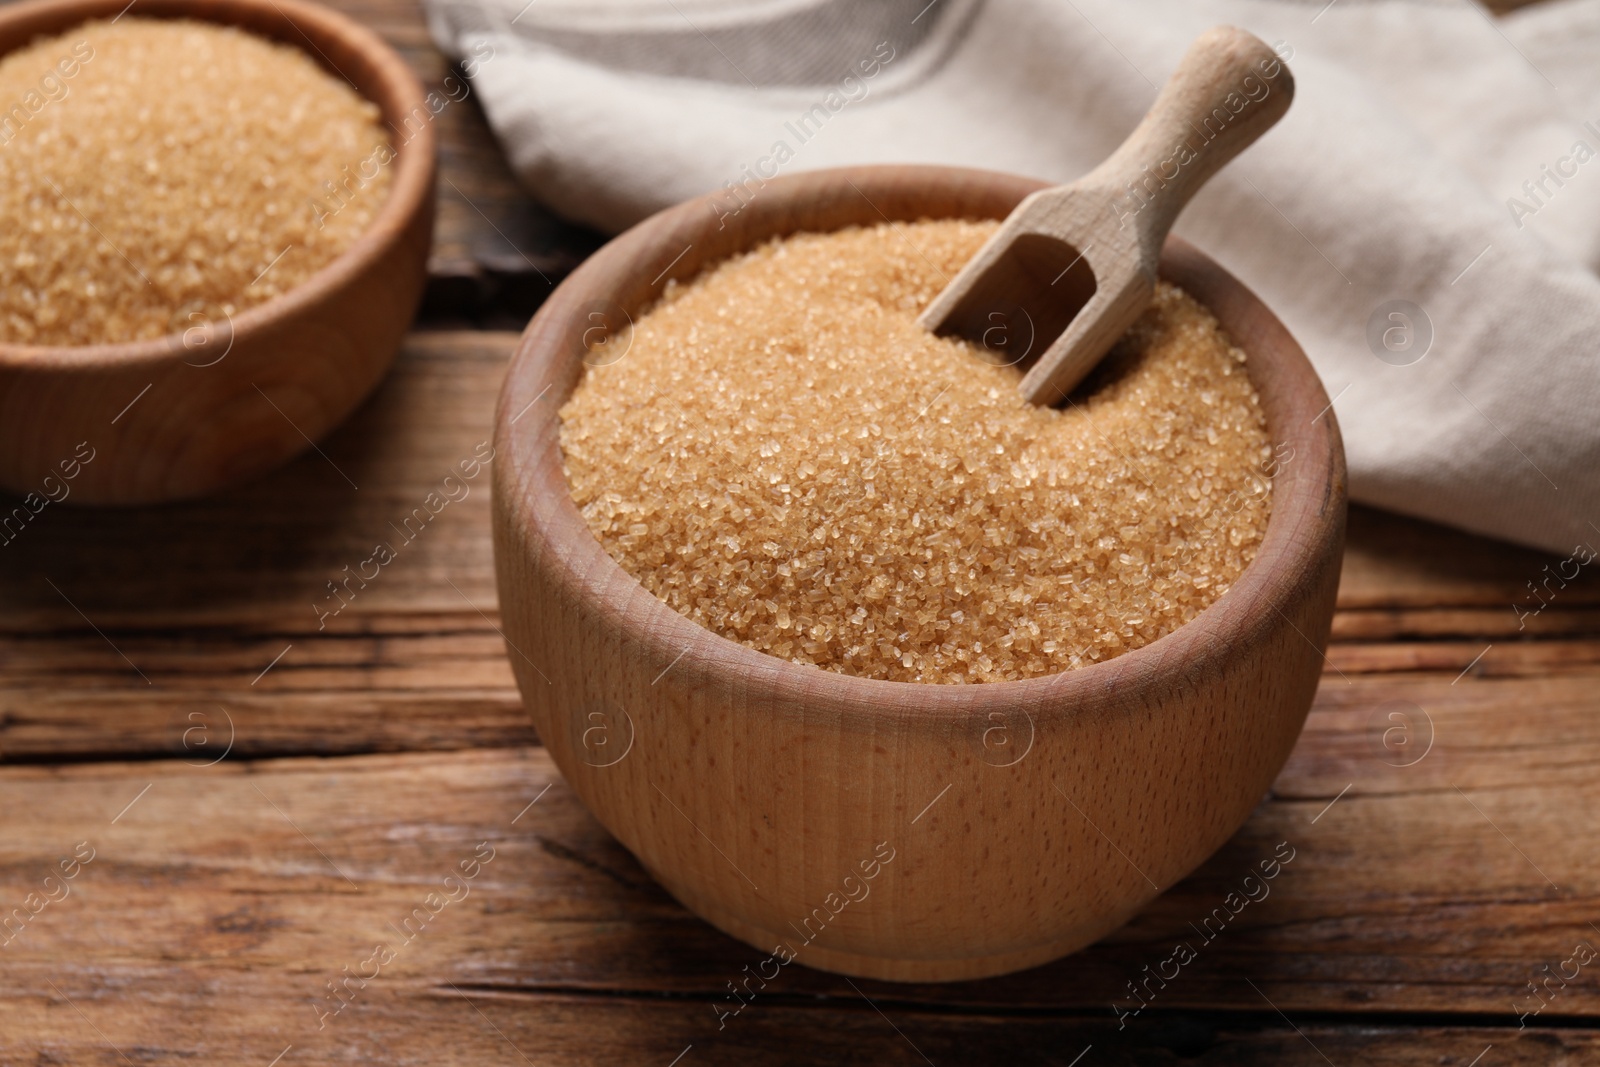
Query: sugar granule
x,y
784,456
178,175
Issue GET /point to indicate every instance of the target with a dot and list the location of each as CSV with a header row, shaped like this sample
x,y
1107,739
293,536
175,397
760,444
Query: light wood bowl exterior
x,y
1026,819
315,352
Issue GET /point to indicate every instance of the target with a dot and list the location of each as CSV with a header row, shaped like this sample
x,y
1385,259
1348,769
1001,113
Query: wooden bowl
x,y
890,829
192,412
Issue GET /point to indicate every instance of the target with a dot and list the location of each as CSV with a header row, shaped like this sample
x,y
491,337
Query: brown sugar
x,y
784,456
156,175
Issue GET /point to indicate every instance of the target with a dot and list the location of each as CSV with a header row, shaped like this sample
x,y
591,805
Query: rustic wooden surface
x,y
372,756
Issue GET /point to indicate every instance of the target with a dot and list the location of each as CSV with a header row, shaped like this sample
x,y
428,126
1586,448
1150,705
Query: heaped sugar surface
x,y
785,457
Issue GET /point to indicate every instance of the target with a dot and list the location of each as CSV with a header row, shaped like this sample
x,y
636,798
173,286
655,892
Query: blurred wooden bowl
x,y
1022,820
193,412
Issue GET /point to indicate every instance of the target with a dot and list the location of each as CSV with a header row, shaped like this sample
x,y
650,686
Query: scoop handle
x,y
1229,89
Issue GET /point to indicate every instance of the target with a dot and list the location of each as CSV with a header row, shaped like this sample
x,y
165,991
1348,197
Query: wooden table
x,y
265,799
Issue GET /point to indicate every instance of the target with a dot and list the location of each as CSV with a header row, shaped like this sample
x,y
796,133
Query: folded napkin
x,y
1426,218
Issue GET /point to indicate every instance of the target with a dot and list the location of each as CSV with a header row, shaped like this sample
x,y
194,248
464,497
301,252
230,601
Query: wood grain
x,y
260,556
466,1025
223,890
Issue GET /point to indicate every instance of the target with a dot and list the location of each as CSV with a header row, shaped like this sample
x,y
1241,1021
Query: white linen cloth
x,y
1434,155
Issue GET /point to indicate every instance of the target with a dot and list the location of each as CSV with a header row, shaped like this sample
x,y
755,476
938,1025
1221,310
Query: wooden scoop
x,y
1072,267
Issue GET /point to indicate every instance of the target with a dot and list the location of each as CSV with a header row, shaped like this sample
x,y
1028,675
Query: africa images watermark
x,y
1542,594
1544,992
1537,190
853,888
753,177
52,489
52,87
453,488
455,888
53,889
1252,89
340,192
1143,990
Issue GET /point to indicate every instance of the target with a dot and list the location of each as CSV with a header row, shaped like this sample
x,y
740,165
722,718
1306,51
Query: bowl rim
x,y
1305,525
413,166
